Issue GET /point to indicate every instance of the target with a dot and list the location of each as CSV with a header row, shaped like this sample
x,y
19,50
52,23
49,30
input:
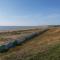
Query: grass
x,y
3,34
53,53
43,47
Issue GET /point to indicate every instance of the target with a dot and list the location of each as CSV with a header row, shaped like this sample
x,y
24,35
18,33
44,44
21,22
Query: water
x,y
16,27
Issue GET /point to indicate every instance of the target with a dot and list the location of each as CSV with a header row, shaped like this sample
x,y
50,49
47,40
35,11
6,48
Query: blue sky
x,y
29,12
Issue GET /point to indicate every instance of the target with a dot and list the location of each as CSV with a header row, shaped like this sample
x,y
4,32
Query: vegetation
x,y
43,47
52,53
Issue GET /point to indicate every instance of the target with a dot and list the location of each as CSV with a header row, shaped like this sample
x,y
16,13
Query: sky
x,y
29,12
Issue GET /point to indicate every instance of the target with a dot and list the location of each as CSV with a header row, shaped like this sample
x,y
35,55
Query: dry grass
x,y
6,35
33,47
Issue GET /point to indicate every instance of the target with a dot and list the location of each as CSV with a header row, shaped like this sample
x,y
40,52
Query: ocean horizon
x,y
16,27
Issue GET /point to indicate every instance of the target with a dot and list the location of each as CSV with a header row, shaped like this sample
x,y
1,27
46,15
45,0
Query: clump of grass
x,y
2,38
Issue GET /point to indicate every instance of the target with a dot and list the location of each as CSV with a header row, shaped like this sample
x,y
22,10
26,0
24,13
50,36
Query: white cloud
x,y
7,23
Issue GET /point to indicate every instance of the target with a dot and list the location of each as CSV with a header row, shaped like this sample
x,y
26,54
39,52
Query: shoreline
x,y
1,31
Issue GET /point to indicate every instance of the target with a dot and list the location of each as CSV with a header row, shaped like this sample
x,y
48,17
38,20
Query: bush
x,y
2,48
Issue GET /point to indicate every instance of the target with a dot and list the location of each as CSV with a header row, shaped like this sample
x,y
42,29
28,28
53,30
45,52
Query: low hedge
x,y
13,43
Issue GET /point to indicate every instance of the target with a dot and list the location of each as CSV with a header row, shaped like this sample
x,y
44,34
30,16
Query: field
x,y
45,46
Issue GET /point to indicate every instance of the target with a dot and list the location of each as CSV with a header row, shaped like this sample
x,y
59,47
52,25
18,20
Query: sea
x,y
16,27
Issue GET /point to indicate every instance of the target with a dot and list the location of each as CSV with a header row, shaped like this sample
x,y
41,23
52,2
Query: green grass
x,y
53,53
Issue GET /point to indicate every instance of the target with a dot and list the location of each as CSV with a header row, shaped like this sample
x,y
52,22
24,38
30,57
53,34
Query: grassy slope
x,y
43,47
